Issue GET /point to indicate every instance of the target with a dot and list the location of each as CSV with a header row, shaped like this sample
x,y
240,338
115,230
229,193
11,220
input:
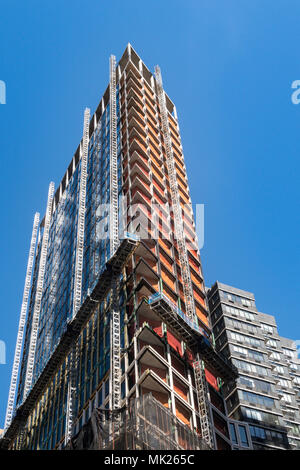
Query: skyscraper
x,y
114,293
266,394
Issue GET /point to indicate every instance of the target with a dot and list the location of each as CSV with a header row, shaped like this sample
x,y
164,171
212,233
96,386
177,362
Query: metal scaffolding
x,y
78,274
38,295
22,321
114,215
115,372
183,255
72,390
81,214
203,404
198,341
178,216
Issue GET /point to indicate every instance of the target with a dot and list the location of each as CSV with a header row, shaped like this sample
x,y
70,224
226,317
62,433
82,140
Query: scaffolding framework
x,y
203,403
197,339
78,274
38,295
81,214
72,390
183,255
22,321
114,214
114,243
178,216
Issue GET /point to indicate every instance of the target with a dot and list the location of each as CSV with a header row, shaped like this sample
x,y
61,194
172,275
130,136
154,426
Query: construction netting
x,y
144,424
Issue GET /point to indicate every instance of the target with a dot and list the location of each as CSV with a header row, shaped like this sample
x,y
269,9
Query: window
x,y
233,433
279,369
251,368
287,398
123,390
257,432
288,352
246,302
267,328
295,429
100,399
284,383
241,325
241,313
237,299
272,343
261,416
244,339
253,414
243,436
257,399
259,385
240,350
106,388
248,352
248,382
275,355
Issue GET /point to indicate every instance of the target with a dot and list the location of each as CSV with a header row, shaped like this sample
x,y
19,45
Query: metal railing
x,y
176,309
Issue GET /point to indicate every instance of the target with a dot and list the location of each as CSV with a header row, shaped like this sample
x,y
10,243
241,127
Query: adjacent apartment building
x,y
266,393
114,314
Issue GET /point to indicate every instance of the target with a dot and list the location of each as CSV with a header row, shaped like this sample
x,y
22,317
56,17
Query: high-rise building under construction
x,y
114,326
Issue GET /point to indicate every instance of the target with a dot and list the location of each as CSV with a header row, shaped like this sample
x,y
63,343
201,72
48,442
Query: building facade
x,y
117,307
266,394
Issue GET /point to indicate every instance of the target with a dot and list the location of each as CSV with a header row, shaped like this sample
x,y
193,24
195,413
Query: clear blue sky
x,y
227,64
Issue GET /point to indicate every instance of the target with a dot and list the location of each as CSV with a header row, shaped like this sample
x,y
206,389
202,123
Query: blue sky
x,y
228,66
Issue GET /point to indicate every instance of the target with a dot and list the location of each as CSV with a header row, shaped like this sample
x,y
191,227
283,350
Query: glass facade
x,y
58,289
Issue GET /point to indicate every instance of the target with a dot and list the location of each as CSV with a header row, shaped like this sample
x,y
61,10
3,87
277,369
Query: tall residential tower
x,y
266,394
117,316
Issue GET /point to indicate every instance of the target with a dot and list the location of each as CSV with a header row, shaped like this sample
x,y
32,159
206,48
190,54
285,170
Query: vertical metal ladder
x,y
81,214
39,293
203,403
73,356
178,216
200,379
115,372
22,321
72,390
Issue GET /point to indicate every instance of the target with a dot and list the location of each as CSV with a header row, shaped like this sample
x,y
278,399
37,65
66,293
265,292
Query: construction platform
x,y
194,336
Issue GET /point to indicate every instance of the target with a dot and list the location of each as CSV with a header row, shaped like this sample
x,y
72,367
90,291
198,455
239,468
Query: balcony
x,y
140,159
139,171
137,146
